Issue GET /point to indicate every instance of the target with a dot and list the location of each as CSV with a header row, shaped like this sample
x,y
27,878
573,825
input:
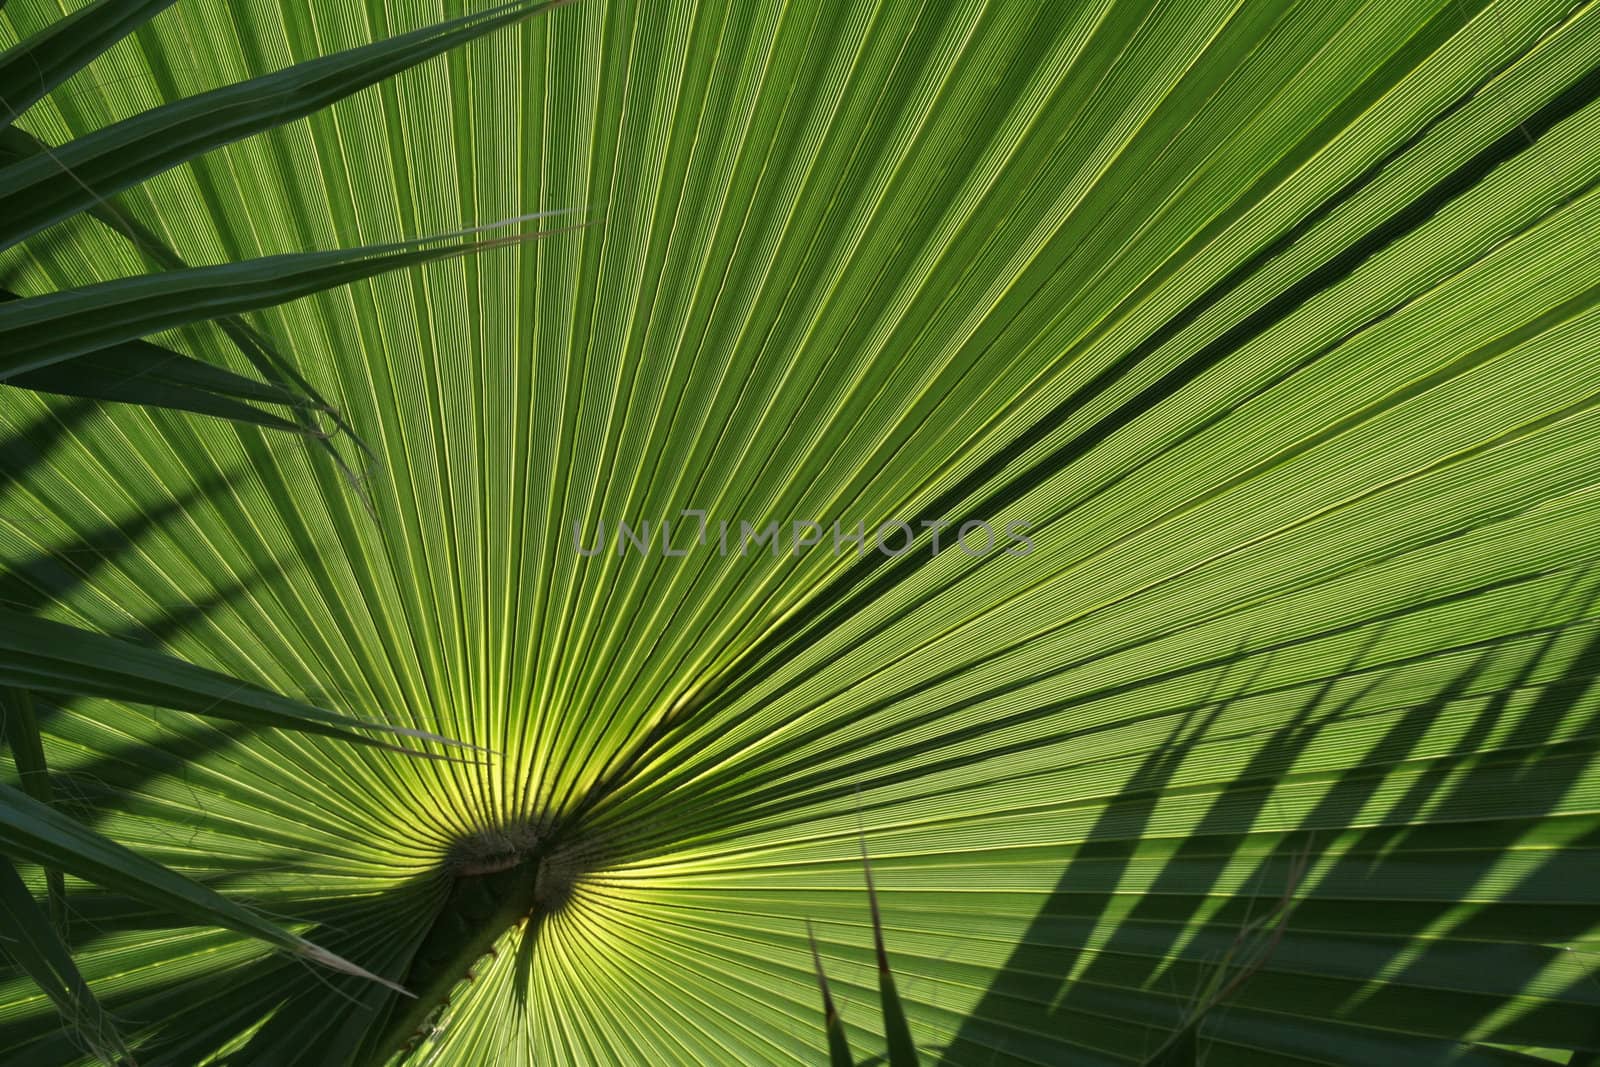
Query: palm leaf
x,y
138,372
36,832
44,189
49,657
902,1052
1269,324
36,948
27,752
58,326
30,69
838,1044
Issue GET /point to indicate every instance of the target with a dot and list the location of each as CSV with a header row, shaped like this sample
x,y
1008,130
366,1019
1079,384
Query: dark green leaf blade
x,y
39,951
33,67
38,331
51,657
27,750
138,372
838,1045
40,834
33,194
1180,1050
16,144
902,1050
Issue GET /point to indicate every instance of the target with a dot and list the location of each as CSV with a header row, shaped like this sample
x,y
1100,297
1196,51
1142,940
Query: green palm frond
x,y
1240,357
36,832
36,949
37,64
139,372
33,775
42,656
87,343
41,186
49,187
838,1045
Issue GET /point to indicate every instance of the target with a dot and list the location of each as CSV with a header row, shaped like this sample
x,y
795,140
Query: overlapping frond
x,y
1258,336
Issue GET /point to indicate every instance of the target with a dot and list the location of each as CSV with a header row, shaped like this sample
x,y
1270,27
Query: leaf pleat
x,y
1273,323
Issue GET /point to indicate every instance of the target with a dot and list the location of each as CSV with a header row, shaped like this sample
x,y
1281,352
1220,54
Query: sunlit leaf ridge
x,y
1240,356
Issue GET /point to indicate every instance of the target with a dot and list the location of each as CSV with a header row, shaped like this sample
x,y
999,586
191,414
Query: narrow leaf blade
x,y
27,750
33,194
52,657
42,330
902,1050
39,951
33,67
40,834
838,1045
